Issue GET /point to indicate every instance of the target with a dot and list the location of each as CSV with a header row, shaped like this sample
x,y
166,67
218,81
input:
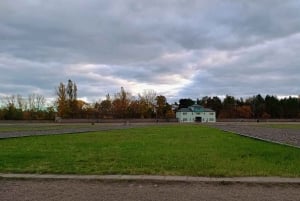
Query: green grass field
x,y
160,150
35,127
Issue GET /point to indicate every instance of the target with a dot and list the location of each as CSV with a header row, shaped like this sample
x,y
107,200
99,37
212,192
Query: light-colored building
x,y
196,113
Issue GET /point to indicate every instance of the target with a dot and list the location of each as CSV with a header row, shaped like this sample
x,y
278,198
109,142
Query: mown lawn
x,y
161,150
36,127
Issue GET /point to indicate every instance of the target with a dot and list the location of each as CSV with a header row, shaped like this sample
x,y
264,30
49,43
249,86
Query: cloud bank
x,y
178,48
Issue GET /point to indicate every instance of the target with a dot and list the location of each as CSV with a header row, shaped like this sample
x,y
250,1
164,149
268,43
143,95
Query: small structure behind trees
x,y
145,106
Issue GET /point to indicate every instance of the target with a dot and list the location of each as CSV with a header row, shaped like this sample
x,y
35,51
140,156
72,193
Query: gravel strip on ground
x,y
278,135
15,134
78,190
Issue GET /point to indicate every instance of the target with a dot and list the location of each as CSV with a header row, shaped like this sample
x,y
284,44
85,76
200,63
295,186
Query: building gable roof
x,y
184,110
195,108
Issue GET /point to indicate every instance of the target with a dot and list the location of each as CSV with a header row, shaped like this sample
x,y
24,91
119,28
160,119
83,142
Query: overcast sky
x,y
179,48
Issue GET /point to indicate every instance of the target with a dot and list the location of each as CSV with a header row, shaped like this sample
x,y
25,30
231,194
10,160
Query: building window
x,y
198,113
211,113
184,113
211,119
184,119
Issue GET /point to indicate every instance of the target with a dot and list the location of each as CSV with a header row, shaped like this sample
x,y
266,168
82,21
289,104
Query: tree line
x,y
146,105
16,107
121,105
256,106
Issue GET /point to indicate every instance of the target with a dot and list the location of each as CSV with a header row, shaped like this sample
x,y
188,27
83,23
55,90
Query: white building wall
x,y
208,116
185,116
191,116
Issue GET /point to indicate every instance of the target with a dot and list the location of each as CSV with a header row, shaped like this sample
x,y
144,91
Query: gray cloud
x,y
180,48
265,68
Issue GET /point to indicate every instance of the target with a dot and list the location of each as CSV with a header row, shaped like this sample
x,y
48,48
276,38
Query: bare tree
x,y
36,102
20,102
147,103
9,101
149,96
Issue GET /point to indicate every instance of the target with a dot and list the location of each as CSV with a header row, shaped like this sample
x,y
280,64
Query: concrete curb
x,y
156,178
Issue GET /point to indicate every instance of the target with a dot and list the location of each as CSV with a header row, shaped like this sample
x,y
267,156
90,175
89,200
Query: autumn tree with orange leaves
x,y
67,99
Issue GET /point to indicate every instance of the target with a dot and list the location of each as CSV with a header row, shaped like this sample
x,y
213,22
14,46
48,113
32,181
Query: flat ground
x,y
180,149
65,190
77,190
284,133
37,129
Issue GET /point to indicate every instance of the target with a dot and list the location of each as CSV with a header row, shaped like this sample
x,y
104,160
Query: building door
x,y
198,119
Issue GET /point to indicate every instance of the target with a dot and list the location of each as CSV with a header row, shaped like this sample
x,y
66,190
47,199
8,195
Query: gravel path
x,y
13,134
78,190
278,135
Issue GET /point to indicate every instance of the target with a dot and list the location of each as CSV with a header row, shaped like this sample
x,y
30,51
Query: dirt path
x,y
280,135
78,190
56,131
